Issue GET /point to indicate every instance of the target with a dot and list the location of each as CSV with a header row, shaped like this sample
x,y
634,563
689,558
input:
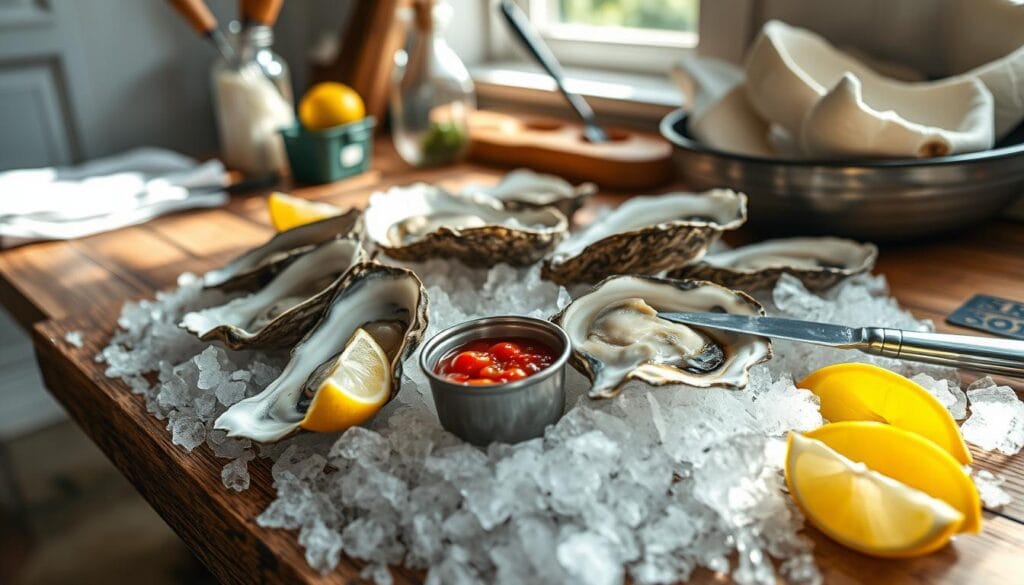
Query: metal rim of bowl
x,y
668,124
506,387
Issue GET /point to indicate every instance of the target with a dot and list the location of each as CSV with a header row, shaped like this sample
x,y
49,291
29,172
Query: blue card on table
x,y
991,314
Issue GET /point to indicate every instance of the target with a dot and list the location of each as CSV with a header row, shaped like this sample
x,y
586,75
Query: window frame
x,y
724,29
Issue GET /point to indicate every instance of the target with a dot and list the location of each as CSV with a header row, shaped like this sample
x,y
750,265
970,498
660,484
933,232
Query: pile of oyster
x,y
310,288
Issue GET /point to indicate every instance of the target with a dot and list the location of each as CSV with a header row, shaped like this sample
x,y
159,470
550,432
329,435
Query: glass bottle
x,y
253,101
431,94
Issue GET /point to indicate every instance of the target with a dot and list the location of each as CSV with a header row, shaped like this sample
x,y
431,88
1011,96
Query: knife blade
x,y
984,354
791,329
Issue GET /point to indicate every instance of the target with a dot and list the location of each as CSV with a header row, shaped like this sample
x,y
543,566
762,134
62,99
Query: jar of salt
x,y
431,93
253,100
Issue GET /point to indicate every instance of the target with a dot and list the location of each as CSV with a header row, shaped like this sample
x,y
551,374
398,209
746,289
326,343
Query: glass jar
x,y
431,94
253,101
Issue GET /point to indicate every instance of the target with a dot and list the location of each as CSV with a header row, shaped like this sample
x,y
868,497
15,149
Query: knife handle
x,y
984,354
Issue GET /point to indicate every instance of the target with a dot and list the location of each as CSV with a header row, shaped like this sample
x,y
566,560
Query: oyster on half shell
x,y
388,302
280,313
617,335
257,266
647,235
420,221
525,189
818,262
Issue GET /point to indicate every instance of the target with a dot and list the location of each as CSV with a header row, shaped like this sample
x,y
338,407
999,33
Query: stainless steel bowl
x,y
877,199
506,413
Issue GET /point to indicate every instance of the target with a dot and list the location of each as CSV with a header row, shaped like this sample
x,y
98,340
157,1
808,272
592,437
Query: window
x,y
669,15
641,36
667,23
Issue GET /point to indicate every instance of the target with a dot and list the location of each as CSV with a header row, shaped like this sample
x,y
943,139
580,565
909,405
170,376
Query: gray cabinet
x,y
36,125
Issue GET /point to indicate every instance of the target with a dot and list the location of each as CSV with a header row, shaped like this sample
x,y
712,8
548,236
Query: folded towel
x,y
104,194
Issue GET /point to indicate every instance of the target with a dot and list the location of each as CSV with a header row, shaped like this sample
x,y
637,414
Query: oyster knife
x,y
984,354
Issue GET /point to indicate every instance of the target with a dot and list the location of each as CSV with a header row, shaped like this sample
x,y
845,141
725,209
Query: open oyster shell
x,y
370,293
818,262
637,349
837,107
280,313
257,266
647,235
525,189
421,221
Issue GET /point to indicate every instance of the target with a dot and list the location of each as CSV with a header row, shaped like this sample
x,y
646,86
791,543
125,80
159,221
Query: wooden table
x,y
56,287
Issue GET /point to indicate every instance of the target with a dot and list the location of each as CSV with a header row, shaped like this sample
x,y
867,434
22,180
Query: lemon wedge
x,y
288,211
908,458
851,392
862,508
355,389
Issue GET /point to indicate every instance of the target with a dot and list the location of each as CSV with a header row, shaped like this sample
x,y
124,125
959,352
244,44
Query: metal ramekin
x,y
506,413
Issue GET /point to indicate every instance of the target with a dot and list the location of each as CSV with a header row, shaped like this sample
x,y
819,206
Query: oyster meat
x,y
617,335
388,302
257,266
280,313
647,235
525,189
420,221
818,262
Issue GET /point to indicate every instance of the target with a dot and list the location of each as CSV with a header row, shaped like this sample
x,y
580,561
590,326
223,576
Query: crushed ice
x,y
990,488
651,486
75,338
997,418
947,392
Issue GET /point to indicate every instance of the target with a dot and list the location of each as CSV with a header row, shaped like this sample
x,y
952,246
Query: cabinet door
x,y
36,120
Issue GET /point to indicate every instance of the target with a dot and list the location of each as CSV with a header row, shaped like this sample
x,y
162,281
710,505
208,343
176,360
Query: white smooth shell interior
x,y
722,205
731,124
794,253
273,413
624,336
790,70
921,120
742,351
526,185
305,235
425,201
1005,79
293,283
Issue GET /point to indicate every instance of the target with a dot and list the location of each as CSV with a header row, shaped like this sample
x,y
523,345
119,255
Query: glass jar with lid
x,y
253,101
432,94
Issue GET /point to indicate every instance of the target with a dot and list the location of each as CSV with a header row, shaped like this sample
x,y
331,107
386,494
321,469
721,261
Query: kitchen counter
x,y
53,288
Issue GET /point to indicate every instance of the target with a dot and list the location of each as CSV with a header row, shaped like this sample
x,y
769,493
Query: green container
x,y
332,154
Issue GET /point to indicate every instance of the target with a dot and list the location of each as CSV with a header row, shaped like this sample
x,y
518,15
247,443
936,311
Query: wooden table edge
x,y
184,505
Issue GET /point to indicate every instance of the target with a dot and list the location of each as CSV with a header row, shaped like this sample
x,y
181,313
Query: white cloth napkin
x,y
104,194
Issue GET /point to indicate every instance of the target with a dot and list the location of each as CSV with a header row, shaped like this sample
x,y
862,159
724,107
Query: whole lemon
x,y
330,104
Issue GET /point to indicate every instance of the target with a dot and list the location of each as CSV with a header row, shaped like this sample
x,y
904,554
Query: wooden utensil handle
x,y
261,11
197,14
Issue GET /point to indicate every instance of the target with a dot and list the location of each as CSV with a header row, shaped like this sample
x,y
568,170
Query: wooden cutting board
x,y
631,161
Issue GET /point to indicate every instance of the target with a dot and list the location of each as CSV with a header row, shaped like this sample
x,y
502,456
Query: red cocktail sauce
x,y
483,362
